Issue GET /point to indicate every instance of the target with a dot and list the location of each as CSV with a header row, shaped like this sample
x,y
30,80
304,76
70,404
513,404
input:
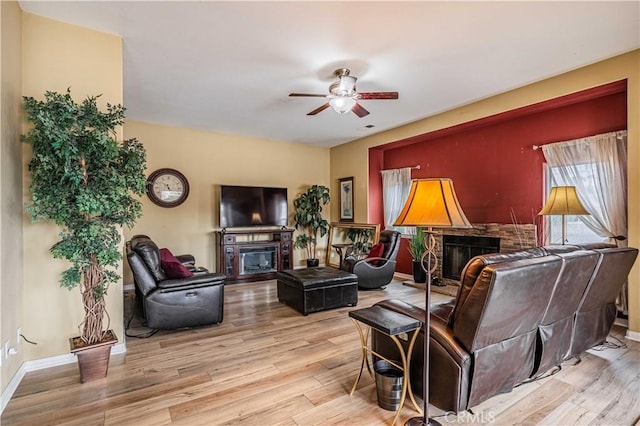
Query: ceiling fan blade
x,y
319,109
359,110
313,95
378,95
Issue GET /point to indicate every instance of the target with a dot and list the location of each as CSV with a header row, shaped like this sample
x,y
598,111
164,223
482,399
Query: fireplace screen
x,y
258,260
457,250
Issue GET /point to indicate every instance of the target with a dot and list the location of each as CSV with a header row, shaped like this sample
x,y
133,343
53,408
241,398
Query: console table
x,y
253,255
393,324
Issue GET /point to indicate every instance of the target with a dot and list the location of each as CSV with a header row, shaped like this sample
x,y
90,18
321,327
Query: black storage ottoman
x,y
317,289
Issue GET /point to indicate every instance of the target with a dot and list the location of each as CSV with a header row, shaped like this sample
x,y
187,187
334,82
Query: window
x,y
396,184
577,230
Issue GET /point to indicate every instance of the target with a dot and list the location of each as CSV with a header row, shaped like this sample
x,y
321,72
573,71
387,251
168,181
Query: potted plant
x,y
83,180
308,219
417,248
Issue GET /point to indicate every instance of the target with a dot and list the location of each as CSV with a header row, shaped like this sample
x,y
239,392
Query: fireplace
x,y
258,260
457,250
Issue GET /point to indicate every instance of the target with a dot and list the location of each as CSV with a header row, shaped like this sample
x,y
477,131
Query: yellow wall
x,y
10,186
57,56
352,159
211,159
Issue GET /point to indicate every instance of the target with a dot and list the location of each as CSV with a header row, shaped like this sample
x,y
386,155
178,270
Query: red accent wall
x,y
491,161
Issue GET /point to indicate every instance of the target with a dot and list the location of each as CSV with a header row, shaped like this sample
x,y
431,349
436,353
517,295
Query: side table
x,y
392,324
339,249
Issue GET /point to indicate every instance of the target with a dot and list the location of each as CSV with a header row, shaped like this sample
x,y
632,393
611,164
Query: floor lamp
x,y
563,200
432,203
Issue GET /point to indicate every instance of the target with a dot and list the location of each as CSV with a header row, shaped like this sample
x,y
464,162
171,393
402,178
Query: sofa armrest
x,y
348,263
439,332
186,259
438,326
176,283
450,368
365,266
443,310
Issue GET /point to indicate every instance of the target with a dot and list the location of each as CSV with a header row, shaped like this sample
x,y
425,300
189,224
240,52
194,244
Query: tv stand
x,y
254,255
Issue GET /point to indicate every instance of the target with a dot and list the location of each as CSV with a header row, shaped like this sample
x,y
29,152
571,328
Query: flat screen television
x,y
247,206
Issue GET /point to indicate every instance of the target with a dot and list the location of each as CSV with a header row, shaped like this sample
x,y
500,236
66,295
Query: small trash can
x,y
389,380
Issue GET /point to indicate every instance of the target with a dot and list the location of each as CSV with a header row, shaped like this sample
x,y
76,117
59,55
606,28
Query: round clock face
x,y
167,187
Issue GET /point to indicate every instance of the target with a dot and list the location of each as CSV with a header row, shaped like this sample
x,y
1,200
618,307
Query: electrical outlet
x,y
5,349
18,336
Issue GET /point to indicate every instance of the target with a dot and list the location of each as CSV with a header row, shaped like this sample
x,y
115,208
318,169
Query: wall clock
x,y
167,187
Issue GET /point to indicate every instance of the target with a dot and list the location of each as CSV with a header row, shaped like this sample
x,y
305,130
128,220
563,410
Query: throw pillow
x,y
376,251
172,266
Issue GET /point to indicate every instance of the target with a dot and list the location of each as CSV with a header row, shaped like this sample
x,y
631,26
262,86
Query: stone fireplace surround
x,y
512,238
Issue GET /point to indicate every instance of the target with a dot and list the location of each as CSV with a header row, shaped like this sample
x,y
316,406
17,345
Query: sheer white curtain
x,y
396,184
597,167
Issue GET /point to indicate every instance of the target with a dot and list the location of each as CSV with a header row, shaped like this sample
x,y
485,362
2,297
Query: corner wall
x,y
352,159
57,56
11,251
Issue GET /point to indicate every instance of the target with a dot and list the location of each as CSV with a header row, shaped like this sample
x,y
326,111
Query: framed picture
x,y
346,199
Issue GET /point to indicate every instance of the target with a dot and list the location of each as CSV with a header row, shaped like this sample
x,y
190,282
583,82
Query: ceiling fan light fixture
x,y
343,96
342,105
347,85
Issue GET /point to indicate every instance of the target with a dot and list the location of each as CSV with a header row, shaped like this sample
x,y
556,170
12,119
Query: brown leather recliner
x,y
173,303
556,328
597,310
488,345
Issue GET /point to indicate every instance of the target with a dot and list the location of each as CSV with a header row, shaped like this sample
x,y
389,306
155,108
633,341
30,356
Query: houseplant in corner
x,y
417,248
83,180
308,219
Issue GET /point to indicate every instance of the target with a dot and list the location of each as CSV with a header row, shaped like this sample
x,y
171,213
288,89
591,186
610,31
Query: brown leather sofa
x,y
515,316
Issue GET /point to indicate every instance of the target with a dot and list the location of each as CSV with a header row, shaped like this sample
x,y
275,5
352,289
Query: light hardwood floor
x,y
268,365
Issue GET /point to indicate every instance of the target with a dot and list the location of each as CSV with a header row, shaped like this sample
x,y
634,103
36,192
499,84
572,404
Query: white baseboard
x,y
8,392
633,335
40,364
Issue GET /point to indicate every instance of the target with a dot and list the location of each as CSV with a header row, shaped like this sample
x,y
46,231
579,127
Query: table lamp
x,y
432,203
563,200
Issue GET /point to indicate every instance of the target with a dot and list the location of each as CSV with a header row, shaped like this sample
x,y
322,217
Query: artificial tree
x,y
308,218
83,180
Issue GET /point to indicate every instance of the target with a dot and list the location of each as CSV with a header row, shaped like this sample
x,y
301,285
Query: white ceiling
x,y
229,66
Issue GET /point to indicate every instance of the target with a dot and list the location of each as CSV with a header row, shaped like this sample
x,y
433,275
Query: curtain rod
x,y
411,167
618,137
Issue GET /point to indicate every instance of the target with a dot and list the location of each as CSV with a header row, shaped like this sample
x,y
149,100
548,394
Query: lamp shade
x,y
563,200
432,203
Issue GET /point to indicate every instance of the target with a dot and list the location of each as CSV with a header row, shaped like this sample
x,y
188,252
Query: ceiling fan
x,y
343,96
